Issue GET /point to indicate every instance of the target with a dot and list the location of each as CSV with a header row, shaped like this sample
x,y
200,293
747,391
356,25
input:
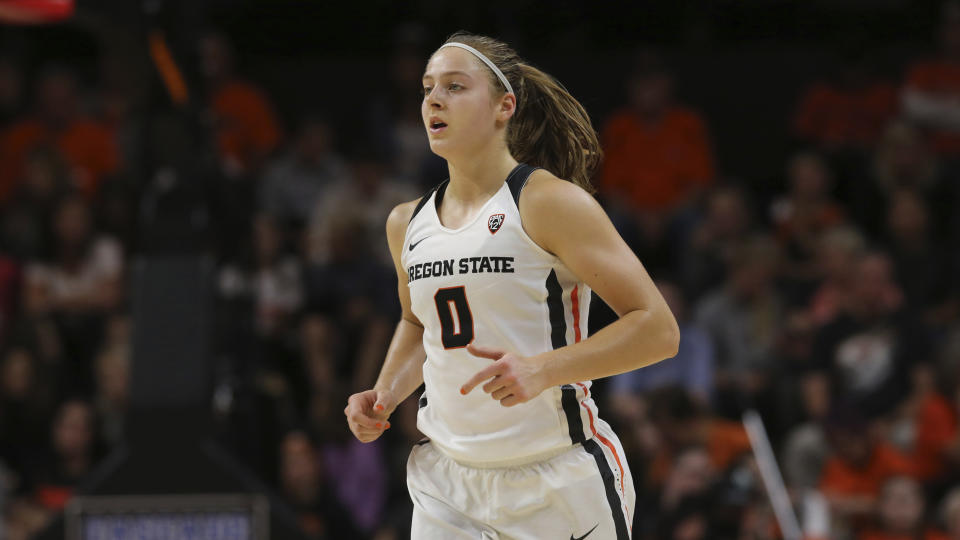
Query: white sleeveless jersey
x,y
489,283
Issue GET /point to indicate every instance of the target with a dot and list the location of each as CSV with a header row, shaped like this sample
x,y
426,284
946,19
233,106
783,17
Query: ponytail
x,y
550,128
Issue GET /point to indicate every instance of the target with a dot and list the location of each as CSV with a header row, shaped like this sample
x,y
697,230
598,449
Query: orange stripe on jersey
x,y
606,442
575,300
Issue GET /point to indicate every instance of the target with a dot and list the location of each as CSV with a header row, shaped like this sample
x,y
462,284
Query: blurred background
x,y
194,273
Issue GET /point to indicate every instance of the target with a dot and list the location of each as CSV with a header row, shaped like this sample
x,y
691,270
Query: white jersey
x,y
489,283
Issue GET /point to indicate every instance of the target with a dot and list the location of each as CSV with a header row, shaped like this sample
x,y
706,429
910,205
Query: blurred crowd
x,y
830,306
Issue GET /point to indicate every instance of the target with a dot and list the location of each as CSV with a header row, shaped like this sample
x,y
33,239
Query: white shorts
x,y
583,492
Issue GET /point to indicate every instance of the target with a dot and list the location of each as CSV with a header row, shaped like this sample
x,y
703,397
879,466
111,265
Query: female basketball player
x,y
496,266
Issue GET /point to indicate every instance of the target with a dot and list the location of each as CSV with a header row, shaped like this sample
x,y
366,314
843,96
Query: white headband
x,y
491,65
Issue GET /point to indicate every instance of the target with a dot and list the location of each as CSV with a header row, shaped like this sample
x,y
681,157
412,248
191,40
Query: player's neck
x,y
478,177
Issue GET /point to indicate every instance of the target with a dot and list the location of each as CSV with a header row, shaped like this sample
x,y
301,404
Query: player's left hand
x,y
514,379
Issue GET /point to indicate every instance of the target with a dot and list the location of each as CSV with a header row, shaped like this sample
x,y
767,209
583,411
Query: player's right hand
x,y
367,413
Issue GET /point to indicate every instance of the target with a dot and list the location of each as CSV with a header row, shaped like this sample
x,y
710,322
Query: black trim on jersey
x,y
422,402
425,198
571,409
609,485
518,178
441,189
421,442
558,322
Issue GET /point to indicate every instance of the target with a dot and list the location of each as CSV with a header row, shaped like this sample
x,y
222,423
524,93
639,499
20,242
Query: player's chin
x,y
442,147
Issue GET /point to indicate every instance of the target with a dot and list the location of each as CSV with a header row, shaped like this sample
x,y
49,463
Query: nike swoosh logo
x,y
586,535
417,243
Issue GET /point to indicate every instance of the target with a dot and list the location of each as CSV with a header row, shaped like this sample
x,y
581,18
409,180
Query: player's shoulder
x,y
400,216
551,208
545,192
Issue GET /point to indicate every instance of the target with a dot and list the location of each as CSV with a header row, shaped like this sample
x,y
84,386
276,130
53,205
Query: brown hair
x,y
549,128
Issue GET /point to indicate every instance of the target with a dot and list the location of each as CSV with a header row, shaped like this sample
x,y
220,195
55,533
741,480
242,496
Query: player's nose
x,y
434,100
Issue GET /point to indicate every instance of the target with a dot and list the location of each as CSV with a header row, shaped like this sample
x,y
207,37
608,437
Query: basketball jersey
x,y
489,283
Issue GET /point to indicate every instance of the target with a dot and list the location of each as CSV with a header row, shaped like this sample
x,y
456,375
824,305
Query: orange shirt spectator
x,y
246,127
833,116
656,166
657,153
841,477
724,441
86,146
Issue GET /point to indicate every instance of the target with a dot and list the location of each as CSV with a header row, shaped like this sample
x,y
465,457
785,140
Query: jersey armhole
x,y
518,179
425,198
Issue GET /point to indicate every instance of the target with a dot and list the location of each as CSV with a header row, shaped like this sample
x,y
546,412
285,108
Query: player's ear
x,y
506,107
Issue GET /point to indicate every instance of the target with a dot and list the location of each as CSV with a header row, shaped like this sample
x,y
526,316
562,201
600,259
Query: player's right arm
x,y
402,372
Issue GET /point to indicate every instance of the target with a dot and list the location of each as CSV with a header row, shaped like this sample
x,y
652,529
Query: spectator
x,y
369,194
708,252
932,88
743,319
245,126
394,121
57,472
867,349
350,300
83,273
121,86
800,216
682,423
76,287
901,513
691,369
88,148
24,408
274,281
927,427
685,511
858,465
265,291
658,154
847,110
838,253
294,185
813,305
303,485
924,269
902,161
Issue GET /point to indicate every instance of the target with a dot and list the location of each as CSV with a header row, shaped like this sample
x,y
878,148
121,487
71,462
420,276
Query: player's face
x,y
459,109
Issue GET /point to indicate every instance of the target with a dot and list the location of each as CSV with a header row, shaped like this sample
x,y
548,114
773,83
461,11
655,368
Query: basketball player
x,y
495,268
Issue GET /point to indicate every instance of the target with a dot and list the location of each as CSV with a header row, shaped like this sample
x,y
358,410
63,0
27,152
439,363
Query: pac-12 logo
x,y
494,223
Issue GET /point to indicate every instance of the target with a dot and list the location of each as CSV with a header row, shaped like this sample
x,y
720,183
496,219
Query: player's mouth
x,y
436,126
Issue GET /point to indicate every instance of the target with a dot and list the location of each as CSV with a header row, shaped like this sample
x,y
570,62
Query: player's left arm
x,y
565,220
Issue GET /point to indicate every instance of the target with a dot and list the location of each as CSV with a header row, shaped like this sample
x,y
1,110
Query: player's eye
x,y
426,90
454,86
